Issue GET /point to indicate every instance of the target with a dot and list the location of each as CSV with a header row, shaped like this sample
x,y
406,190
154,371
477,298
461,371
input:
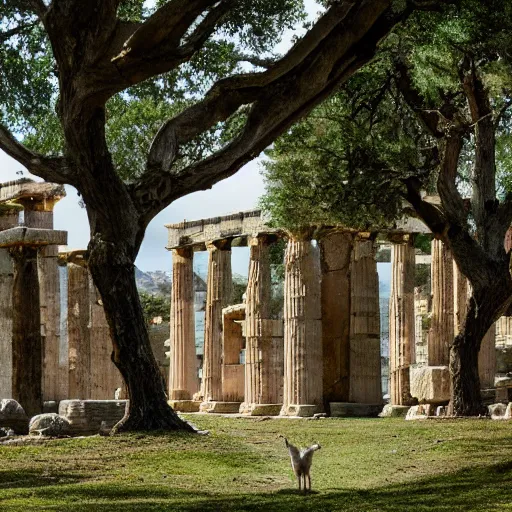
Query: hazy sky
x,y
238,193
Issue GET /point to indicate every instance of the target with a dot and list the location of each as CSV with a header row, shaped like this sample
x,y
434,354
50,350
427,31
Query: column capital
x,y
184,252
220,245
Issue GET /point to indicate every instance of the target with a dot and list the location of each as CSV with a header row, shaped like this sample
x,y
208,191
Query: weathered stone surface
x,y
300,410
12,415
416,412
497,411
184,405
260,409
86,416
220,407
28,189
32,237
430,384
504,382
50,424
394,411
50,406
508,412
355,410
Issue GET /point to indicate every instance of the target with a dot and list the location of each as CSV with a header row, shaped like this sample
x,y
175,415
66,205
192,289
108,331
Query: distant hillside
x,y
159,282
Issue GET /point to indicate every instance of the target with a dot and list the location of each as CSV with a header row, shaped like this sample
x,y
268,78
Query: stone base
x,y
179,394
87,416
430,384
303,411
220,407
184,405
261,409
394,411
353,410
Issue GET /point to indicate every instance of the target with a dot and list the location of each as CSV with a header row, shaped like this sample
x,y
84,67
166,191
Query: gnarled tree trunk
x,y
113,272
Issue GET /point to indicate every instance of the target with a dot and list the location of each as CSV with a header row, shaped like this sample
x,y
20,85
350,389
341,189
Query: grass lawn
x,y
364,465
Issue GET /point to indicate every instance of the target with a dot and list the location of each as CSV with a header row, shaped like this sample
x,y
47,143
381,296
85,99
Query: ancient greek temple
x,y
323,353
319,351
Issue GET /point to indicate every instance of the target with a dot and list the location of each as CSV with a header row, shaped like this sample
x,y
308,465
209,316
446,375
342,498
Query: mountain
x,y
159,282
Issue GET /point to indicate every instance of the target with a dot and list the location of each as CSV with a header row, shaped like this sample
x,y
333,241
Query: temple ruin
x,y
321,352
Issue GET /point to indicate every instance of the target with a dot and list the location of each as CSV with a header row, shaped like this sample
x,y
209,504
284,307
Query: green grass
x,y
364,465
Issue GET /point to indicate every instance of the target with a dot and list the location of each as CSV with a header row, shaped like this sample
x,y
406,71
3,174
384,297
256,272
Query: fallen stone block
x,y
416,412
87,416
12,415
394,411
49,424
497,411
430,384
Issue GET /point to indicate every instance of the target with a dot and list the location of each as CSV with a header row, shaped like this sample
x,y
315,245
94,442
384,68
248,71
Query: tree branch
x,y
52,169
4,36
279,97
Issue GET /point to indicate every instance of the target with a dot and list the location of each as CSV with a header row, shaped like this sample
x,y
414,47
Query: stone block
x,y
50,424
302,411
416,412
430,384
32,236
220,407
261,409
87,416
394,411
497,411
185,405
508,412
13,416
50,406
354,410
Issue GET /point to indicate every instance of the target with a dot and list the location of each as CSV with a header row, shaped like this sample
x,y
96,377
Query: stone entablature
x,y
198,233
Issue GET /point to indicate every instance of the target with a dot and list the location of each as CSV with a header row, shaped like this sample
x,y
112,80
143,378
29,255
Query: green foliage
x,y
239,288
30,91
154,306
346,163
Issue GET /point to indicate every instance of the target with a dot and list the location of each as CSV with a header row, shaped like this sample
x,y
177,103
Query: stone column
x,y
8,219
303,380
365,362
79,341
182,364
441,332
401,320
39,214
27,347
219,288
335,256
104,377
262,393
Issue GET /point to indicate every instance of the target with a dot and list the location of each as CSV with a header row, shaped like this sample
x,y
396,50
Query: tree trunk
x,y
484,308
113,272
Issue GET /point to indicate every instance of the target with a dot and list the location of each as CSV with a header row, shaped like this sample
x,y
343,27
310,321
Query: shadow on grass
x,y
25,479
469,490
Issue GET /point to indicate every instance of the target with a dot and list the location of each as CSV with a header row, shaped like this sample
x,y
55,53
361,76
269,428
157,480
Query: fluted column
x,y
335,256
401,321
79,332
27,343
8,219
441,331
303,380
182,365
260,363
365,362
39,214
219,288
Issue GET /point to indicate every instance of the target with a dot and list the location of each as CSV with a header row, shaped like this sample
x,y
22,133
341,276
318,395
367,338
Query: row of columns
x,y
450,292
331,349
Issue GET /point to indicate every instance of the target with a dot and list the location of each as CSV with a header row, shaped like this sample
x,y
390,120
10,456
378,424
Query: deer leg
x,y
299,478
309,481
